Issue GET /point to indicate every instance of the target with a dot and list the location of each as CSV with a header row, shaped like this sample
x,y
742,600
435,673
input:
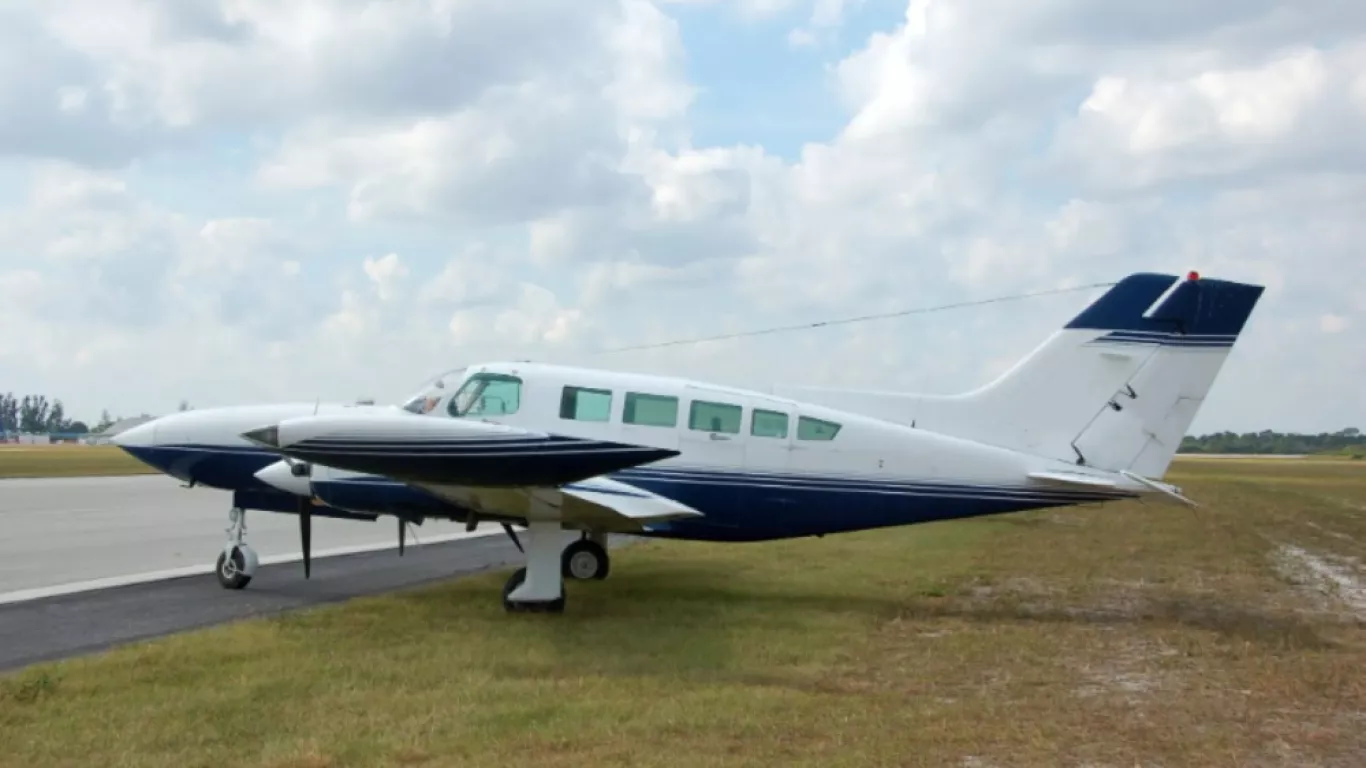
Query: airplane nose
x,y
280,475
139,436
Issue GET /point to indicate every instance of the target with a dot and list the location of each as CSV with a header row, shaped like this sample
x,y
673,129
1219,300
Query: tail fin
x,y
1190,334
1115,389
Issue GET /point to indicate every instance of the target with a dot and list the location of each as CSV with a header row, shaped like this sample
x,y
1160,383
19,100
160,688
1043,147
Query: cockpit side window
x,y
421,404
487,394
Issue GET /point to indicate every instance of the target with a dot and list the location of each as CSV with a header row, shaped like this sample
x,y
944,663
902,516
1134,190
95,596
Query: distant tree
x,y
184,405
56,418
106,421
9,413
33,413
78,428
1347,441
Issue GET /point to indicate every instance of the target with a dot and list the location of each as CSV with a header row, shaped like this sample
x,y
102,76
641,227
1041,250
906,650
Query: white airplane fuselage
x,y
1094,414
800,470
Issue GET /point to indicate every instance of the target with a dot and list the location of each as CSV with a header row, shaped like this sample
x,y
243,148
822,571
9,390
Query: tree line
x,y
35,414
1346,441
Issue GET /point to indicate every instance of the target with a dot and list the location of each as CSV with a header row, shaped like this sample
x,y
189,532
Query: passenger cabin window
x,y
650,410
715,417
816,429
768,424
487,394
584,404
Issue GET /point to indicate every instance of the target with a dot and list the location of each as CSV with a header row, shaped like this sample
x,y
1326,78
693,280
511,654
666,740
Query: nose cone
x,y
141,436
281,475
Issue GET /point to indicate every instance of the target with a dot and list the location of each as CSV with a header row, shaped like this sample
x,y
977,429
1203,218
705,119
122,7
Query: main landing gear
x,y
237,562
539,587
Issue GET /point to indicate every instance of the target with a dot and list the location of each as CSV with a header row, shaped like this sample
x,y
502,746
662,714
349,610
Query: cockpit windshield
x,y
487,394
432,393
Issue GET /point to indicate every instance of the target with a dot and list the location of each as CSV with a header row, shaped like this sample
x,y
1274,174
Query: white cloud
x,y
262,201
1333,323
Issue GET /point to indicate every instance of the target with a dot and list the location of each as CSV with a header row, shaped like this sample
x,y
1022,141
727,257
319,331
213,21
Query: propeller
x,y
404,528
513,535
306,533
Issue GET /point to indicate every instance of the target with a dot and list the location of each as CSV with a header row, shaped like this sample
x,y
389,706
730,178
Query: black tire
x,y
231,576
577,554
514,581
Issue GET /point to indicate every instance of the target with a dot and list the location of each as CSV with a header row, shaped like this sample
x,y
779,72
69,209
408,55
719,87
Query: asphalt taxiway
x,y
92,531
89,563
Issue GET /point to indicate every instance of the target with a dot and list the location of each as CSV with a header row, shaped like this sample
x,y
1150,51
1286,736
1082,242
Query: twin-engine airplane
x,y
1094,414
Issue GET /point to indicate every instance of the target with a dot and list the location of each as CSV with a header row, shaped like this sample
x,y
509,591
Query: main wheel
x,y
230,570
585,559
515,606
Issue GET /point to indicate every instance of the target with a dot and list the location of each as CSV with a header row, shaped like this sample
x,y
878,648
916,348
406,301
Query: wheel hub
x,y
583,565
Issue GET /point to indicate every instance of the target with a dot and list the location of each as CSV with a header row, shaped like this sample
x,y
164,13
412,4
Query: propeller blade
x,y
402,536
513,535
306,534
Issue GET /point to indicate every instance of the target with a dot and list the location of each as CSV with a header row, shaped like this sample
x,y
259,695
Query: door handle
x,y
715,436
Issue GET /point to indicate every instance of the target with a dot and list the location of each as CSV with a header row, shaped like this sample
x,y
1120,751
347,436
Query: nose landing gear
x,y
238,561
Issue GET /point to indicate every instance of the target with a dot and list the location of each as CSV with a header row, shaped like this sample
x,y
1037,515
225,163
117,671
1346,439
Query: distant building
x,y
122,425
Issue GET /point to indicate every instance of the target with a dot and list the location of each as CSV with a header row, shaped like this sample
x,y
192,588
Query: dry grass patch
x,y
68,461
1113,635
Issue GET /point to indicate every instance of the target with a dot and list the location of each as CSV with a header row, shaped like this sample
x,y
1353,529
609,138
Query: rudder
x,y
1191,334
1115,388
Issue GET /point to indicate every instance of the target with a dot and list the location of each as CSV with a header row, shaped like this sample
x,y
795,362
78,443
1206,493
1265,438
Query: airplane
x,y
1094,414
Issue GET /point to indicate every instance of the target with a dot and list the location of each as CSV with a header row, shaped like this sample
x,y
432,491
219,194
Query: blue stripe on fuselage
x,y
753,506
737,505
227,467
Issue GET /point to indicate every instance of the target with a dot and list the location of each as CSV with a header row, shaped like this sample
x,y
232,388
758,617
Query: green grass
x,y
1126,634
68,461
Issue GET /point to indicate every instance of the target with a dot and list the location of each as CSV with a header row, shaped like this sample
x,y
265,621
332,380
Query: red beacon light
x,y
1193,276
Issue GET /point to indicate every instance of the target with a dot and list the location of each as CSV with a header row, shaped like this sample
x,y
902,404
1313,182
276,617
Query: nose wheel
x,y
237,562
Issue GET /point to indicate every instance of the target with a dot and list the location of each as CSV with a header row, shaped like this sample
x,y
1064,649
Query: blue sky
x,y
758,88
284,222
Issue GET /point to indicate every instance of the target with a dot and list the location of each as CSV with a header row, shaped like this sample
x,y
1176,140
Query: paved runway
x,y
64,530
66,533
68,625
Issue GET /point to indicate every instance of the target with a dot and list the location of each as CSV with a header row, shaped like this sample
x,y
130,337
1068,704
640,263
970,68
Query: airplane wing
x,y
494,469
600,504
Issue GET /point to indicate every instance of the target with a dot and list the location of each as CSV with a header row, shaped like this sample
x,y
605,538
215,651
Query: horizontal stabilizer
x,y
1169,491
1074,479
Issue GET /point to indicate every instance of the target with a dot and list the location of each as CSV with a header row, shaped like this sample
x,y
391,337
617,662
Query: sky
x,y
238,201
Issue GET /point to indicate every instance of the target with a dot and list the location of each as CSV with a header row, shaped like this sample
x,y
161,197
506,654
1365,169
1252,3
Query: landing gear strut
x,y
237,562
539,587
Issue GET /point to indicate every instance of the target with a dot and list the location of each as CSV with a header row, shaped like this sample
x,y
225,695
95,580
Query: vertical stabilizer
x,y
1116,388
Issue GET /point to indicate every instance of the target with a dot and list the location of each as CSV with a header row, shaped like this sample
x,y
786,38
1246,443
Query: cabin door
x,y
712,434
